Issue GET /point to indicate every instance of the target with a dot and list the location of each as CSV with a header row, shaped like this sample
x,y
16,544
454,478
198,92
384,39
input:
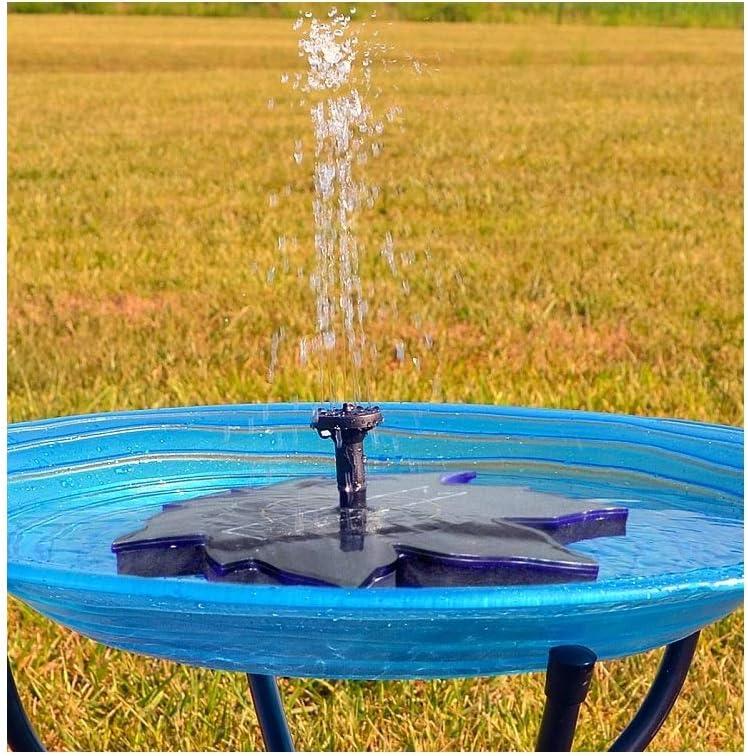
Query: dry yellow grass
x,y
572,198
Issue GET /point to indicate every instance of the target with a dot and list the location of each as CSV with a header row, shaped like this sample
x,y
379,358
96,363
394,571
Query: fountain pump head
x,y
347,427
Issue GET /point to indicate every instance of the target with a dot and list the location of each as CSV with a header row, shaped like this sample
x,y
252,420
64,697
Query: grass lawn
x,y
566,204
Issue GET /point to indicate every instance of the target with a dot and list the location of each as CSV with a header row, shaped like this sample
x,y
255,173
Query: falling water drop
x,y
298,154
388,251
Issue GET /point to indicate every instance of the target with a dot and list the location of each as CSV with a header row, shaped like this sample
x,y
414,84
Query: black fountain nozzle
x,y
348,427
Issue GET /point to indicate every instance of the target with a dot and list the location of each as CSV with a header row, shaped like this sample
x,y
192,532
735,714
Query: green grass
x,y
572,201
608,14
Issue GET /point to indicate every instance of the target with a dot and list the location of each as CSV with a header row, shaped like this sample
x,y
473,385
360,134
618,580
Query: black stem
x,y
567,682
269,707
21,734
347,427
661,696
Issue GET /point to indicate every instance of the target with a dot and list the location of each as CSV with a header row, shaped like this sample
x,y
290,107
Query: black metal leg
x,y
21,735
269,708
662,695
567,681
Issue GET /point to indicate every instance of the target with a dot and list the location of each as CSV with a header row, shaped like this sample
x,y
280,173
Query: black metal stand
x,y
269,707
662,695
568,678
21,735
567,682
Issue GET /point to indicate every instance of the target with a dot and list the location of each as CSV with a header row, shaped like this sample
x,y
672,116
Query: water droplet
x,y
298,153
388,251
274,344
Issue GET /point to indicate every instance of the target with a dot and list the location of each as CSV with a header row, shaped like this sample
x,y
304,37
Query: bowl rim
x,y
236,598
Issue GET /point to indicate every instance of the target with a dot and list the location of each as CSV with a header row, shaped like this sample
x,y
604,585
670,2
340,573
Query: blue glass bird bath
x,y
76,484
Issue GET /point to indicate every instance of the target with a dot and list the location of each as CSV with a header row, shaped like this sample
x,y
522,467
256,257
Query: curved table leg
x,y
23,738
662,695
269,708
567,681
21,735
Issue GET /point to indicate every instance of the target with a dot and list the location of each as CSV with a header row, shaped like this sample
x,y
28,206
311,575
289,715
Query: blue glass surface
x,y
75,484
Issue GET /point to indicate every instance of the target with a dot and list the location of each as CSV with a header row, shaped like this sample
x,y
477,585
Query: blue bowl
x,y
75,484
